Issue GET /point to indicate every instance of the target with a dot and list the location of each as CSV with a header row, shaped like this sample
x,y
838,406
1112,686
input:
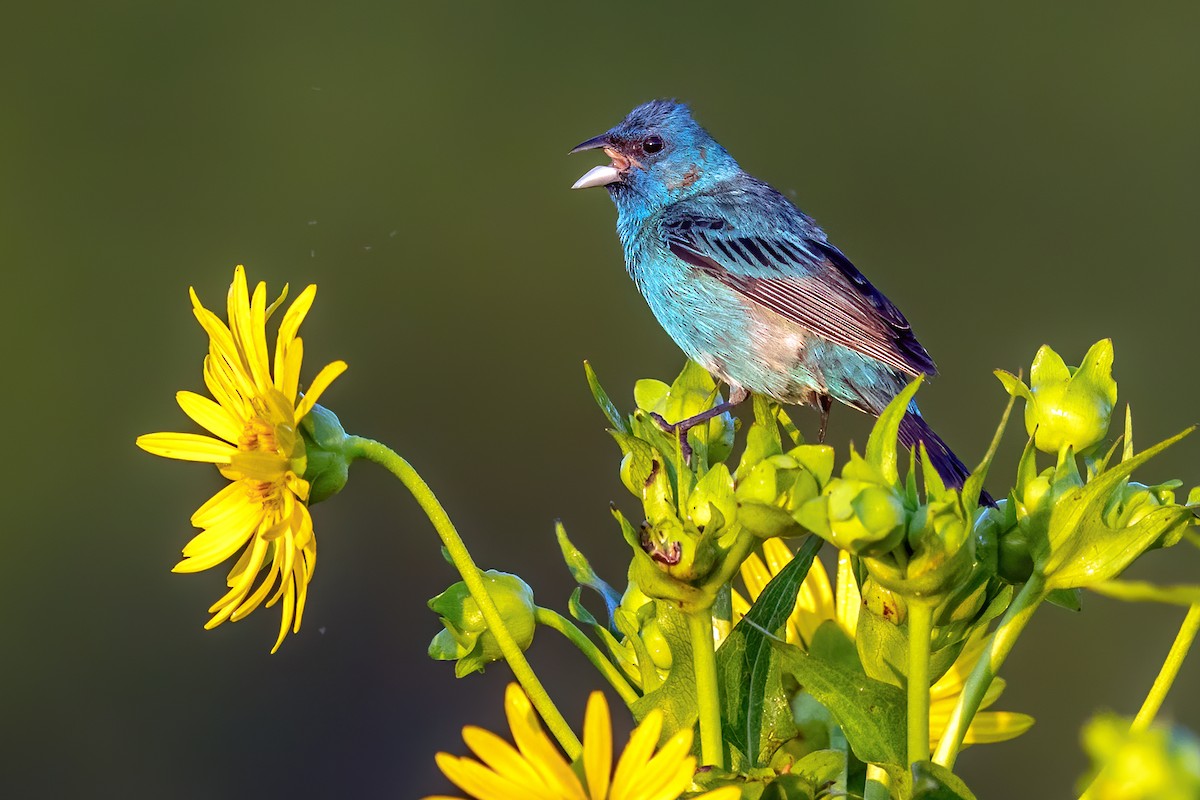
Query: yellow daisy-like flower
x,y
817,602
535,770
256,445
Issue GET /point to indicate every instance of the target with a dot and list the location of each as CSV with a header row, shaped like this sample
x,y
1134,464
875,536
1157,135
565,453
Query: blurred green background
x,y
1008,173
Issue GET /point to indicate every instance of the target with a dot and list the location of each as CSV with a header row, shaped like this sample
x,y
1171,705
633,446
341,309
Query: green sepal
x,y
326,465
582,572
1080,549
881,445
1070,599
610,411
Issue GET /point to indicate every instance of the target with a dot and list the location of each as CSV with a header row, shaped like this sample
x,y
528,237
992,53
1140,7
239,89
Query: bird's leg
x,y
824,404
737,396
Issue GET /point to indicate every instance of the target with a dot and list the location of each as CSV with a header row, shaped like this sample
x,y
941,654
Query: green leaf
x,y
934,782
677,694
820,767
615,418
1143,592
872,714
881,445
1066,598
1013,385
788,787
582,572
581,614
757,715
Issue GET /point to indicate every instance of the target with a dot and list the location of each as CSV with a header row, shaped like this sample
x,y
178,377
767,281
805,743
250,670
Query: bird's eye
x,y
652,144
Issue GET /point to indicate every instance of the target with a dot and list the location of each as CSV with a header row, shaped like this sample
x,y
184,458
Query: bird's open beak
x,y
604,174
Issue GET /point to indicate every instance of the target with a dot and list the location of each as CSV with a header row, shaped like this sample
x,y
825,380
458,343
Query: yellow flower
x,y
257,446
535,770
817,603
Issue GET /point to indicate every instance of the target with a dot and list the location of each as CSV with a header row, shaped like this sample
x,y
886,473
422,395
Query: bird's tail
x,y
954,472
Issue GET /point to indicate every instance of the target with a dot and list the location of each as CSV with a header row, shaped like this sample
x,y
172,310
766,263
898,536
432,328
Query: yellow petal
x,y
230,500
287,370
210,416
187,447
256,597
997,726
295,315
814,604
537,749
286,614
476,779
777,555
668,773
503,759
271,309
230,532
637,753
849,601
597,746
755,576
320,383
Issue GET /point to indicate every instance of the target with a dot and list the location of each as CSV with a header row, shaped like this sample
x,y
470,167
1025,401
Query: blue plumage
x,y
747,284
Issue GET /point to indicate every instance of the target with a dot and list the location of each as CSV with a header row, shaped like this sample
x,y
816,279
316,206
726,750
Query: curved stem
x,y
1169,671
555,621
359,447
999,646
708,698
920,629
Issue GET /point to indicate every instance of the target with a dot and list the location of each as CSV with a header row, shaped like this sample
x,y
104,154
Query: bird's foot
x,y
824,404
736,397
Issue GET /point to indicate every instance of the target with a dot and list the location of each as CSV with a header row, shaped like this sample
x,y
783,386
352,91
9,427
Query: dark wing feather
x,y
805,280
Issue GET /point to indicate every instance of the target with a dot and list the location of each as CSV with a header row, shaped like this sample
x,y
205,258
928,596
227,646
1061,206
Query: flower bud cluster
x,y
697,511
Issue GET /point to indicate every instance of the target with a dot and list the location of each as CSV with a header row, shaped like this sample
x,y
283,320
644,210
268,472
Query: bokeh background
x,y
1009,174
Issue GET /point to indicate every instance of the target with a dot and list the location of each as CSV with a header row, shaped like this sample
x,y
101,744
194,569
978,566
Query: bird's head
x,y
658,154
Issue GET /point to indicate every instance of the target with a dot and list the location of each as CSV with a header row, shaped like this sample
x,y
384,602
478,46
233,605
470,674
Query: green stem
x,y
920,630
555,621
1169,671
708,698
358,447
837,741
878,784
731,561
999,646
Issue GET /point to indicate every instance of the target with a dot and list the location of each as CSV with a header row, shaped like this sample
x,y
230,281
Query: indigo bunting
x,y
748,285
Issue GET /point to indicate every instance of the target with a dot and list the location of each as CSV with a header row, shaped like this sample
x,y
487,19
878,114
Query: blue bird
x,y
748,285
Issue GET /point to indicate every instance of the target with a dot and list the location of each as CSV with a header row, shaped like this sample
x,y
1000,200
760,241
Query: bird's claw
x,y
675,429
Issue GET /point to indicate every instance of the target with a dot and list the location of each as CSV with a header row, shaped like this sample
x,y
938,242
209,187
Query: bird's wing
x,y
804,279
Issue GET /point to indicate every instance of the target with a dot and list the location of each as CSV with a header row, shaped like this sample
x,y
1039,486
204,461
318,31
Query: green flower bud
x,y
1015,563
325,443
1134,501
864,518
466,638
1067,407
633,601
